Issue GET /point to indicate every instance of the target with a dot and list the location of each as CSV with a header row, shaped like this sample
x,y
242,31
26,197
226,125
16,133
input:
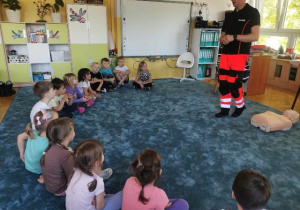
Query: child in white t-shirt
x,y
84,86
44,90
86,188
121,71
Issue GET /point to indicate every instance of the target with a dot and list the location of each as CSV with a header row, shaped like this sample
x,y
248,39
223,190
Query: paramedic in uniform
x,y
241,27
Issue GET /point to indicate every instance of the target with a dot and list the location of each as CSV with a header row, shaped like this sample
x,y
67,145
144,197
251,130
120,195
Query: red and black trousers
x,y
231,72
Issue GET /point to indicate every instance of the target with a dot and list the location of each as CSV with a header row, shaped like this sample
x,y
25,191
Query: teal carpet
x,y
201,154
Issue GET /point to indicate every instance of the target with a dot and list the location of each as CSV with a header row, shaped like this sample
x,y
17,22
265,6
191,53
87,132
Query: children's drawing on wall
x,y
54,35
78,17
18,35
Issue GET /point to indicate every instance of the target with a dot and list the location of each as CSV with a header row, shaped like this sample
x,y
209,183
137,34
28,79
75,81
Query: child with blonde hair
x,y
143,79
84,86
85,184
44,90
96,78
140,191
121,71
83,102
37,141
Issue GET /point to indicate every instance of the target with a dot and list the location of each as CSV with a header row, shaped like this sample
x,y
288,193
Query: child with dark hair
x,y
96,78
37,141
62,102
251,190
85,183
122,72
143,78
57,161
107,74
84,86
140,191
44,90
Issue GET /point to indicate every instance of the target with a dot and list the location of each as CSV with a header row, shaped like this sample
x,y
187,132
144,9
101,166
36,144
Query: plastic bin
x,y
57,56
37,77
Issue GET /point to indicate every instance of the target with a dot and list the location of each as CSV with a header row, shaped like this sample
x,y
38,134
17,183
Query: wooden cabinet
x,y
41,48
88,34
283,74
3,68
258,75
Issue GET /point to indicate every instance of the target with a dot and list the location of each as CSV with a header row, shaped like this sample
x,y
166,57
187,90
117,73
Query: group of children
x,y
77,174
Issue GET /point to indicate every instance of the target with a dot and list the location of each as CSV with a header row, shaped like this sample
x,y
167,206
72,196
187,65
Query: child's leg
x,y
99,86
41,179
113,201
178,204
148,85
124,78
136,85
118,78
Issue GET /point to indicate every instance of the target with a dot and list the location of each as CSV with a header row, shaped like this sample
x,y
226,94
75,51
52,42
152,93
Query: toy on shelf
x,y
14,58
270,121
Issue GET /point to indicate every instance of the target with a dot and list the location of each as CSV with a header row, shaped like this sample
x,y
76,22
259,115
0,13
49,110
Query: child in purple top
x,y
71,82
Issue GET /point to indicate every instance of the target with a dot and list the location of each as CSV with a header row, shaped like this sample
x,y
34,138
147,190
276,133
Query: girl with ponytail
x,y
140,191
86,187
57,161
37,142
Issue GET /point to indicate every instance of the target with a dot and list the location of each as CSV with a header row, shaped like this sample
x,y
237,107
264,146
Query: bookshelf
x,y
205,48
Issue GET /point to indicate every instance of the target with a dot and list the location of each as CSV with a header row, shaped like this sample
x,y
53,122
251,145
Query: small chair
x,y
185,60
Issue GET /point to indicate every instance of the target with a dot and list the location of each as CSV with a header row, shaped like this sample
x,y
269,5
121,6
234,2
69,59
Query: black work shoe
x,y
238,111
224,112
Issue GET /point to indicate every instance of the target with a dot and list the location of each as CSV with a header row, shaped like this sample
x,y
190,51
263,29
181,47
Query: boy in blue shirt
x,y
107,75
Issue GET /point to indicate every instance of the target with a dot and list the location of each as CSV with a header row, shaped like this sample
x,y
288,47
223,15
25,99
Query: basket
x,y
57,56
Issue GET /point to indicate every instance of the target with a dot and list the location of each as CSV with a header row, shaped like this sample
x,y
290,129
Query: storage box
x,y
57,56
201,71
13,59
38,77
47,76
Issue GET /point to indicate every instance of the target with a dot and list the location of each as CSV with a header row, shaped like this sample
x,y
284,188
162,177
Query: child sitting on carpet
x,y
44,90
85,184
96,78
251,190
121,71
62,102
81,101
143,78
140,191
84,86
37,141
107,74
57,161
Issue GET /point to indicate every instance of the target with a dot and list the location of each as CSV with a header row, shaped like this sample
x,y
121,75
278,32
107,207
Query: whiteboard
x,y
152,28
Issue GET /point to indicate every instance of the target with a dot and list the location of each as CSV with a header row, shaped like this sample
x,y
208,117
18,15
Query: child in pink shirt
x,y
140,191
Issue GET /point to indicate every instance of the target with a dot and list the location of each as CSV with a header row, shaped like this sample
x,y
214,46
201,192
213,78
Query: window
x,y
269,13
273,41
297,46
292,15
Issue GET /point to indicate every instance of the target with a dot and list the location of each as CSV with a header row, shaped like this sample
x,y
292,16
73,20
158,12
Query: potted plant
x,y
57,17
42,9
13,12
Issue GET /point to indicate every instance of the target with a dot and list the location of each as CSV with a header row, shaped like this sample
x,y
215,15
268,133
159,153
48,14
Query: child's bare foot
x,y
41,179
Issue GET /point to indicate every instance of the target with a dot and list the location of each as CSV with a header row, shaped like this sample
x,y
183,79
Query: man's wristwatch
x,y
235,37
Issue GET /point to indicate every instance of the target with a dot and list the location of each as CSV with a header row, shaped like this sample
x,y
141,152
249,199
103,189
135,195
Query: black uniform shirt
x,y
240,23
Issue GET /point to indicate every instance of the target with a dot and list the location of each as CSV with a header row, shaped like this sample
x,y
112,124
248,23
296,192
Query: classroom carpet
x,y
201,154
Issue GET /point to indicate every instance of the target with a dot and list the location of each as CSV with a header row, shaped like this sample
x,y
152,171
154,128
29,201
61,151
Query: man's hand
x,y
229,38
